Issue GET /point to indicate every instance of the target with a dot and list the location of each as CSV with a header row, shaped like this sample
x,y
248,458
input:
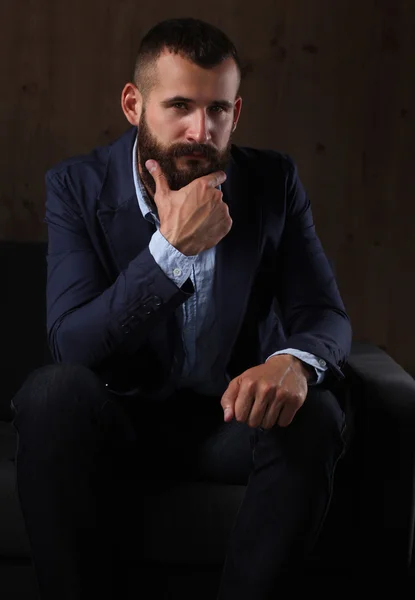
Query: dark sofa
x,y
370,526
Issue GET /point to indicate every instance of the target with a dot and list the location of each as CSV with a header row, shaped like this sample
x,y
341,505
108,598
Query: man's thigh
x,y
210,449
223,452
185,438
224,455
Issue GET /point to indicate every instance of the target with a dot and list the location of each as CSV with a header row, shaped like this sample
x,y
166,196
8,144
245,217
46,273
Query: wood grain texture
x,y
330,83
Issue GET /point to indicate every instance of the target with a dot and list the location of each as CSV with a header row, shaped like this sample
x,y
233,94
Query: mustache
x,y
195,148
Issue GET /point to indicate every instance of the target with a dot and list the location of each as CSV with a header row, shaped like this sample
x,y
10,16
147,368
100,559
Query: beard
x,y
149,148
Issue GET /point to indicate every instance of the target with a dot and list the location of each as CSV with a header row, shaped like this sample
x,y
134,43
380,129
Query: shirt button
x,y
322,362
177,272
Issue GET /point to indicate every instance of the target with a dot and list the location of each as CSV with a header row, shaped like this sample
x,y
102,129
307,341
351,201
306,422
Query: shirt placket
x,y
189,324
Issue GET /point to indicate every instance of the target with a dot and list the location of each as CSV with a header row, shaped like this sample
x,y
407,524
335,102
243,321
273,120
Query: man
x,y
193,318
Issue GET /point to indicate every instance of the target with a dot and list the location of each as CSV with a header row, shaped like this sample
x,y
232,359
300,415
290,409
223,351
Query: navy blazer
x,y
111,308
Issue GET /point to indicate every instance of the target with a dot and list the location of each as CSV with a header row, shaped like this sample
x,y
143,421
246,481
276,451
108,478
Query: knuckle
x,y
286,392
250,385
265,387
297,399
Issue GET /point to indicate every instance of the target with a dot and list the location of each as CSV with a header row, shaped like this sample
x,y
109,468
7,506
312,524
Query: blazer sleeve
x,y
88,316
312,309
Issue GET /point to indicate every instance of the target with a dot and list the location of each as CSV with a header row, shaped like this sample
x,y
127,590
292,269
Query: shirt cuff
x,y
176,266
319,364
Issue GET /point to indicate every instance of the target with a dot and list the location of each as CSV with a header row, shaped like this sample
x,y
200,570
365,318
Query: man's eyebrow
x,y
169,101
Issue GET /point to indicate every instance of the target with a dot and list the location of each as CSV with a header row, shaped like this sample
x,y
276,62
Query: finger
x,y
275,408
162,187
264,399
272,415
228,400
287,414
214,179
245,400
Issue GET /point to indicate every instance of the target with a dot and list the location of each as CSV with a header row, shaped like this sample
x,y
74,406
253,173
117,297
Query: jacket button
x,y
145,309
157,301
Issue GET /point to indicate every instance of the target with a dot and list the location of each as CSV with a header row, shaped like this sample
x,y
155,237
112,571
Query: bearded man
x,y
196,329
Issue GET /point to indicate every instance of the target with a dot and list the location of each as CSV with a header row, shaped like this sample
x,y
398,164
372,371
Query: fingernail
x,y
151,165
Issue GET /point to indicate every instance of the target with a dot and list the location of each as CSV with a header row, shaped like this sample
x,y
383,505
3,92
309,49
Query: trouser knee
x,y
314,436
61,392
320,424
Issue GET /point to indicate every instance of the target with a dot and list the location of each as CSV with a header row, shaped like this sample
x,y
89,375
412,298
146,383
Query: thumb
x,y
161,182
229,399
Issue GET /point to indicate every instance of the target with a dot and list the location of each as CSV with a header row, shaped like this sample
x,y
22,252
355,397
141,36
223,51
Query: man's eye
x,y
182,105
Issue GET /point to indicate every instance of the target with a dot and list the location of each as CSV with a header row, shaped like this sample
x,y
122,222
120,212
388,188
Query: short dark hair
x,y
200,42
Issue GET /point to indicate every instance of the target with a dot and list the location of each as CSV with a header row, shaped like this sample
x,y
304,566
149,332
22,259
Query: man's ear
x,y
132,103
236,112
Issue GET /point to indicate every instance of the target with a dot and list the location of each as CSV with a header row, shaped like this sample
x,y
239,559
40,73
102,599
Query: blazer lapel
x,y
237,255
126,230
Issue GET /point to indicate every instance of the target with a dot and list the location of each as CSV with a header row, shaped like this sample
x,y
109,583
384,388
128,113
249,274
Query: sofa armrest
x,y
385,381
383,395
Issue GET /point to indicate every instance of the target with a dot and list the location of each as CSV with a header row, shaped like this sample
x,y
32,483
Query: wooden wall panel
x,y
331,83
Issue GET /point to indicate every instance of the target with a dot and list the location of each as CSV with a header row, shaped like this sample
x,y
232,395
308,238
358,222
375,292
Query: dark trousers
x,y
84,454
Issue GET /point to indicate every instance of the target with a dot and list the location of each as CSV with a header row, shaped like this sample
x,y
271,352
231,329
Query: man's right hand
x,y
195,217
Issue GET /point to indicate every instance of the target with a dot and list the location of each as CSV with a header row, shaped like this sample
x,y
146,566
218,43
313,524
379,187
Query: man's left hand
x,y
267,394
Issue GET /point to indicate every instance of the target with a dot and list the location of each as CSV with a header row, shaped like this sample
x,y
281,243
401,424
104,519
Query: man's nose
x,y
199,129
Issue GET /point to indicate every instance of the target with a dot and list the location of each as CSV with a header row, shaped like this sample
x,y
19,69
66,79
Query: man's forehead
x,y
177,75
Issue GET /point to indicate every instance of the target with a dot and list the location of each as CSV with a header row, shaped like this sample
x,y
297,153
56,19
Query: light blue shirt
x,y
197,315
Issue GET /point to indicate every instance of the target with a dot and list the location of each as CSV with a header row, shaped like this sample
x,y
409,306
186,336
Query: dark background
x,y
331,82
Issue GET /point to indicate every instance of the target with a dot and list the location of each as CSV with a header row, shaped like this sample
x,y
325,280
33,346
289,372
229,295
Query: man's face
x,y
187,121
